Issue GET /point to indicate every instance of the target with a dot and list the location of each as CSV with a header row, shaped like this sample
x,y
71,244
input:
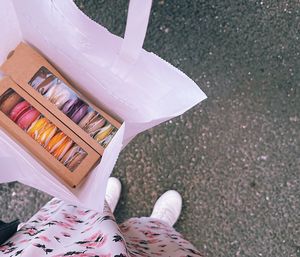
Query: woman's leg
x,y
61,229
155,235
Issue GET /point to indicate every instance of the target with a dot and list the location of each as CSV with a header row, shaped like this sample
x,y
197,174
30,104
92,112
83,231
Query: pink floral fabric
x,y
60,229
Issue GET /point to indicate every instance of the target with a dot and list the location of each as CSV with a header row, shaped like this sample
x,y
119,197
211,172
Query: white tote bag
x,y
118,74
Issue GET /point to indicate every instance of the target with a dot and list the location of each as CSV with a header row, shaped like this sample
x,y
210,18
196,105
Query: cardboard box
x,y
23,68
23,64
38,151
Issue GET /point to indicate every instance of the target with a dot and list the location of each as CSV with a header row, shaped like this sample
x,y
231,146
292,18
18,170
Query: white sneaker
x,y
113,192
168,207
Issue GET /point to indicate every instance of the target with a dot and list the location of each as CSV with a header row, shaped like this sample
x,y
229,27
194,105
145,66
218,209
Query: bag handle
x,y
136,28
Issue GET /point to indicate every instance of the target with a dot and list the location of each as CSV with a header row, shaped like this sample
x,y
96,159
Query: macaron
x,y
63,148
77,159
107,140
69,105
45,84
8,101
79,113
86,119
56,141
46,134
39,78
103,133
58,94
28,118
92,122
19,110
74,157
70,154
37,126
75,109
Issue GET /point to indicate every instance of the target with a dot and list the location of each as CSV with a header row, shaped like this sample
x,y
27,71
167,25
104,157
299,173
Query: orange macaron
x,y
63,148
37,126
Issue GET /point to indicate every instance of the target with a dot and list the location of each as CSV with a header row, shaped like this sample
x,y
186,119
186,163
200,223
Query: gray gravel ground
x,y
236,157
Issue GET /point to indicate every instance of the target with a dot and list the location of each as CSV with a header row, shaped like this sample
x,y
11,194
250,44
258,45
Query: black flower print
x,y
117,238
50,224
9,244
33,231
120,255
106,218
44,248
18,252
73,253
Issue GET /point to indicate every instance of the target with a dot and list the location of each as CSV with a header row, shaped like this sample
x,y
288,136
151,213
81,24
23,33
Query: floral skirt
x,y
60,229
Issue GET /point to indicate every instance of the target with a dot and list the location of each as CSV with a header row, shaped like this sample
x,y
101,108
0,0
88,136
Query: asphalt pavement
x,y
235,158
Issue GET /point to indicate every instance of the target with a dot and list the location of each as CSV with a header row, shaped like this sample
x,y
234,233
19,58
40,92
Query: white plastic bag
x,y
137,86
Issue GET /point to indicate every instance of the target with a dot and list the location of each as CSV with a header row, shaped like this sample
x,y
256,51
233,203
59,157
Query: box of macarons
x,y
47,116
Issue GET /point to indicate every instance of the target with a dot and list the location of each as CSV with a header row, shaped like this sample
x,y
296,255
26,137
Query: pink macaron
x,y
24,114
19,110
28,118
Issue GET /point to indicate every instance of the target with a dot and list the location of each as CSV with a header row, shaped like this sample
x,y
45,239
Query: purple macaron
x,y
79,113
75,109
